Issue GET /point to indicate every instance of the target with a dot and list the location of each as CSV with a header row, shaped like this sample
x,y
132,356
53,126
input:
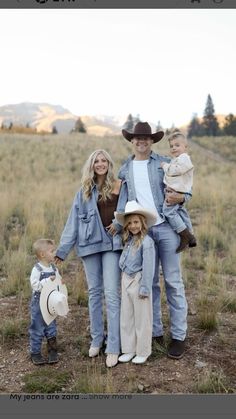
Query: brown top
x,y
107,208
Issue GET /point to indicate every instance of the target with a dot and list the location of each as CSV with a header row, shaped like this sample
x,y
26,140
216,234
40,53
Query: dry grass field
x,y
38,179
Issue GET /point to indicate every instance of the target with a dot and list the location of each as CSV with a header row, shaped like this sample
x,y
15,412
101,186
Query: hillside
x,y
44,116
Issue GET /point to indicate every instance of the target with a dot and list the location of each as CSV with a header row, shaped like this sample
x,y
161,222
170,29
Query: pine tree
x,y
159,127
195,128
129,123
230,125
210,123
136,119
79,126
54,130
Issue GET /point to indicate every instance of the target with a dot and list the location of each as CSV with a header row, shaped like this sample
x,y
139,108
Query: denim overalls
x,y
38,328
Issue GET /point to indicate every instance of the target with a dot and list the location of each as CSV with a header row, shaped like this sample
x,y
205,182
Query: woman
x,y
89,228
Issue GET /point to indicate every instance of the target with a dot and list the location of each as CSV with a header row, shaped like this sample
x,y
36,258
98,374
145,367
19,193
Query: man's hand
x,y
173,198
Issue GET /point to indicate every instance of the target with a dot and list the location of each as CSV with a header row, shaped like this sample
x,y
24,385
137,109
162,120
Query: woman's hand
x,y
111,229
57,260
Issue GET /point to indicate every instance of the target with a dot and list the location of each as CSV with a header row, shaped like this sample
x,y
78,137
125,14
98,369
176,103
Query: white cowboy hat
x,y
53,300
132,207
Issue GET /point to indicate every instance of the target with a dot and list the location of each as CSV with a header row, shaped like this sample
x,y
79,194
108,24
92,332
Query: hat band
x,y
52,314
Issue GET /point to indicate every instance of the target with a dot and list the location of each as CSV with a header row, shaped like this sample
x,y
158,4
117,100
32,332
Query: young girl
x,y
137,263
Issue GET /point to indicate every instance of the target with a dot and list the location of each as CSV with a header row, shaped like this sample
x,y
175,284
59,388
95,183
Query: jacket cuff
x,y
61,255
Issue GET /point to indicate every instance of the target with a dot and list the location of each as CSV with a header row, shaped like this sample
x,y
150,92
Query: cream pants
x,y
136,318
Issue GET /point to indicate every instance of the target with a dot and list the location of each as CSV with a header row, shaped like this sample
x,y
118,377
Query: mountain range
x,y
44,116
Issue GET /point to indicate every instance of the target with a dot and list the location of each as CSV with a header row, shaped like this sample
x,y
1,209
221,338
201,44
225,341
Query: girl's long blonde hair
x,y
140,236
89,177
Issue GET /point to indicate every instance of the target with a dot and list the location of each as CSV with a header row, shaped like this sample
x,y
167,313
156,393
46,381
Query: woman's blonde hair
x,y
142,233
89,177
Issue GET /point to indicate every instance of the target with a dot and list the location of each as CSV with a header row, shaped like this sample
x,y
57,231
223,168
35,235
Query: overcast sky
x,y
160,64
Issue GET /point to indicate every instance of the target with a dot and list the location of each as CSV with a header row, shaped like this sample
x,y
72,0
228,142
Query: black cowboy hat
x,y
143,129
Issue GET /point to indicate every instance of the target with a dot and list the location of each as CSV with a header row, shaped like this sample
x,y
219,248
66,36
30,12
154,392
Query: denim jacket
x,y
84,229
140,259
156,175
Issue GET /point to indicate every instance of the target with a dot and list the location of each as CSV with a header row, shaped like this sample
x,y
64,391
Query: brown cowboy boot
x,y
187,239
52,350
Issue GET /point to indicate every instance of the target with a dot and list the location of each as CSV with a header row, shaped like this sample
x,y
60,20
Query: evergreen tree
x,y
159,127
136,119
129,123
54,130
230,125
210,123
195,128
79,126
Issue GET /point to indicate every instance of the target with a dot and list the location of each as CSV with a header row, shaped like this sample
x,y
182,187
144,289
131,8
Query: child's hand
x,y
142,297
111,229
62,281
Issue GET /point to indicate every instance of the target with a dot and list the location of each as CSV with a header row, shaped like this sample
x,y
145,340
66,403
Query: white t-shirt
x,y
142,187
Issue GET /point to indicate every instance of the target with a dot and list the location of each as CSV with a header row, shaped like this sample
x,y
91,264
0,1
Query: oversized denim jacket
x,y
156,175
85,231
142,260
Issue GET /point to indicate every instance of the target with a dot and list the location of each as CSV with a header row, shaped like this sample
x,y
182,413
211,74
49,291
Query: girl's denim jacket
x,y
85,231
156,175
142,260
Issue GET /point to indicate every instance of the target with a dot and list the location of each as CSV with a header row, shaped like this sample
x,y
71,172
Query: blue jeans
x,y
38,328
103,275
178,217
166,242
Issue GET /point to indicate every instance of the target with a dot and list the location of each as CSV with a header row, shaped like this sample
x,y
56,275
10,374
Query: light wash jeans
x,y
103,274
166,241
177,217
38,328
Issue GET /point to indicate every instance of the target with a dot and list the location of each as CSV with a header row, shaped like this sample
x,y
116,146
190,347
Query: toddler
x,y
178,177
43,271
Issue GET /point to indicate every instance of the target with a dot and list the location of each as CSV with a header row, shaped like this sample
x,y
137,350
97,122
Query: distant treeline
x,y
208,125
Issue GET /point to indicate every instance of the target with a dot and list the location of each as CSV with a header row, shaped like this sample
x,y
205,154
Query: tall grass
x,y
39,177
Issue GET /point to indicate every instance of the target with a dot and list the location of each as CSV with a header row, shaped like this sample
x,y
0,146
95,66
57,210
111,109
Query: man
x,y
142,180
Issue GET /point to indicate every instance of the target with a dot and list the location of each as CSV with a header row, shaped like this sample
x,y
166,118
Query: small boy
x,y
43,271
178,177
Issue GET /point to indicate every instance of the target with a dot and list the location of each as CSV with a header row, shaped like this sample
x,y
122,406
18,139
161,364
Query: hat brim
x,y
150,217
156,136
49,287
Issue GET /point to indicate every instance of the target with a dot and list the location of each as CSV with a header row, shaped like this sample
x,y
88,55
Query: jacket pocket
x,y
89,229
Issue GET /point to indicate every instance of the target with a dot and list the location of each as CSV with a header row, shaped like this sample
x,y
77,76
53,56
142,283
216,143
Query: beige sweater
x,y
179,173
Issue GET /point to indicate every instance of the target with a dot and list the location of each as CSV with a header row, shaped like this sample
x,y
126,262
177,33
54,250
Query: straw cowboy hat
x,y
53,300
132,207
143,129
